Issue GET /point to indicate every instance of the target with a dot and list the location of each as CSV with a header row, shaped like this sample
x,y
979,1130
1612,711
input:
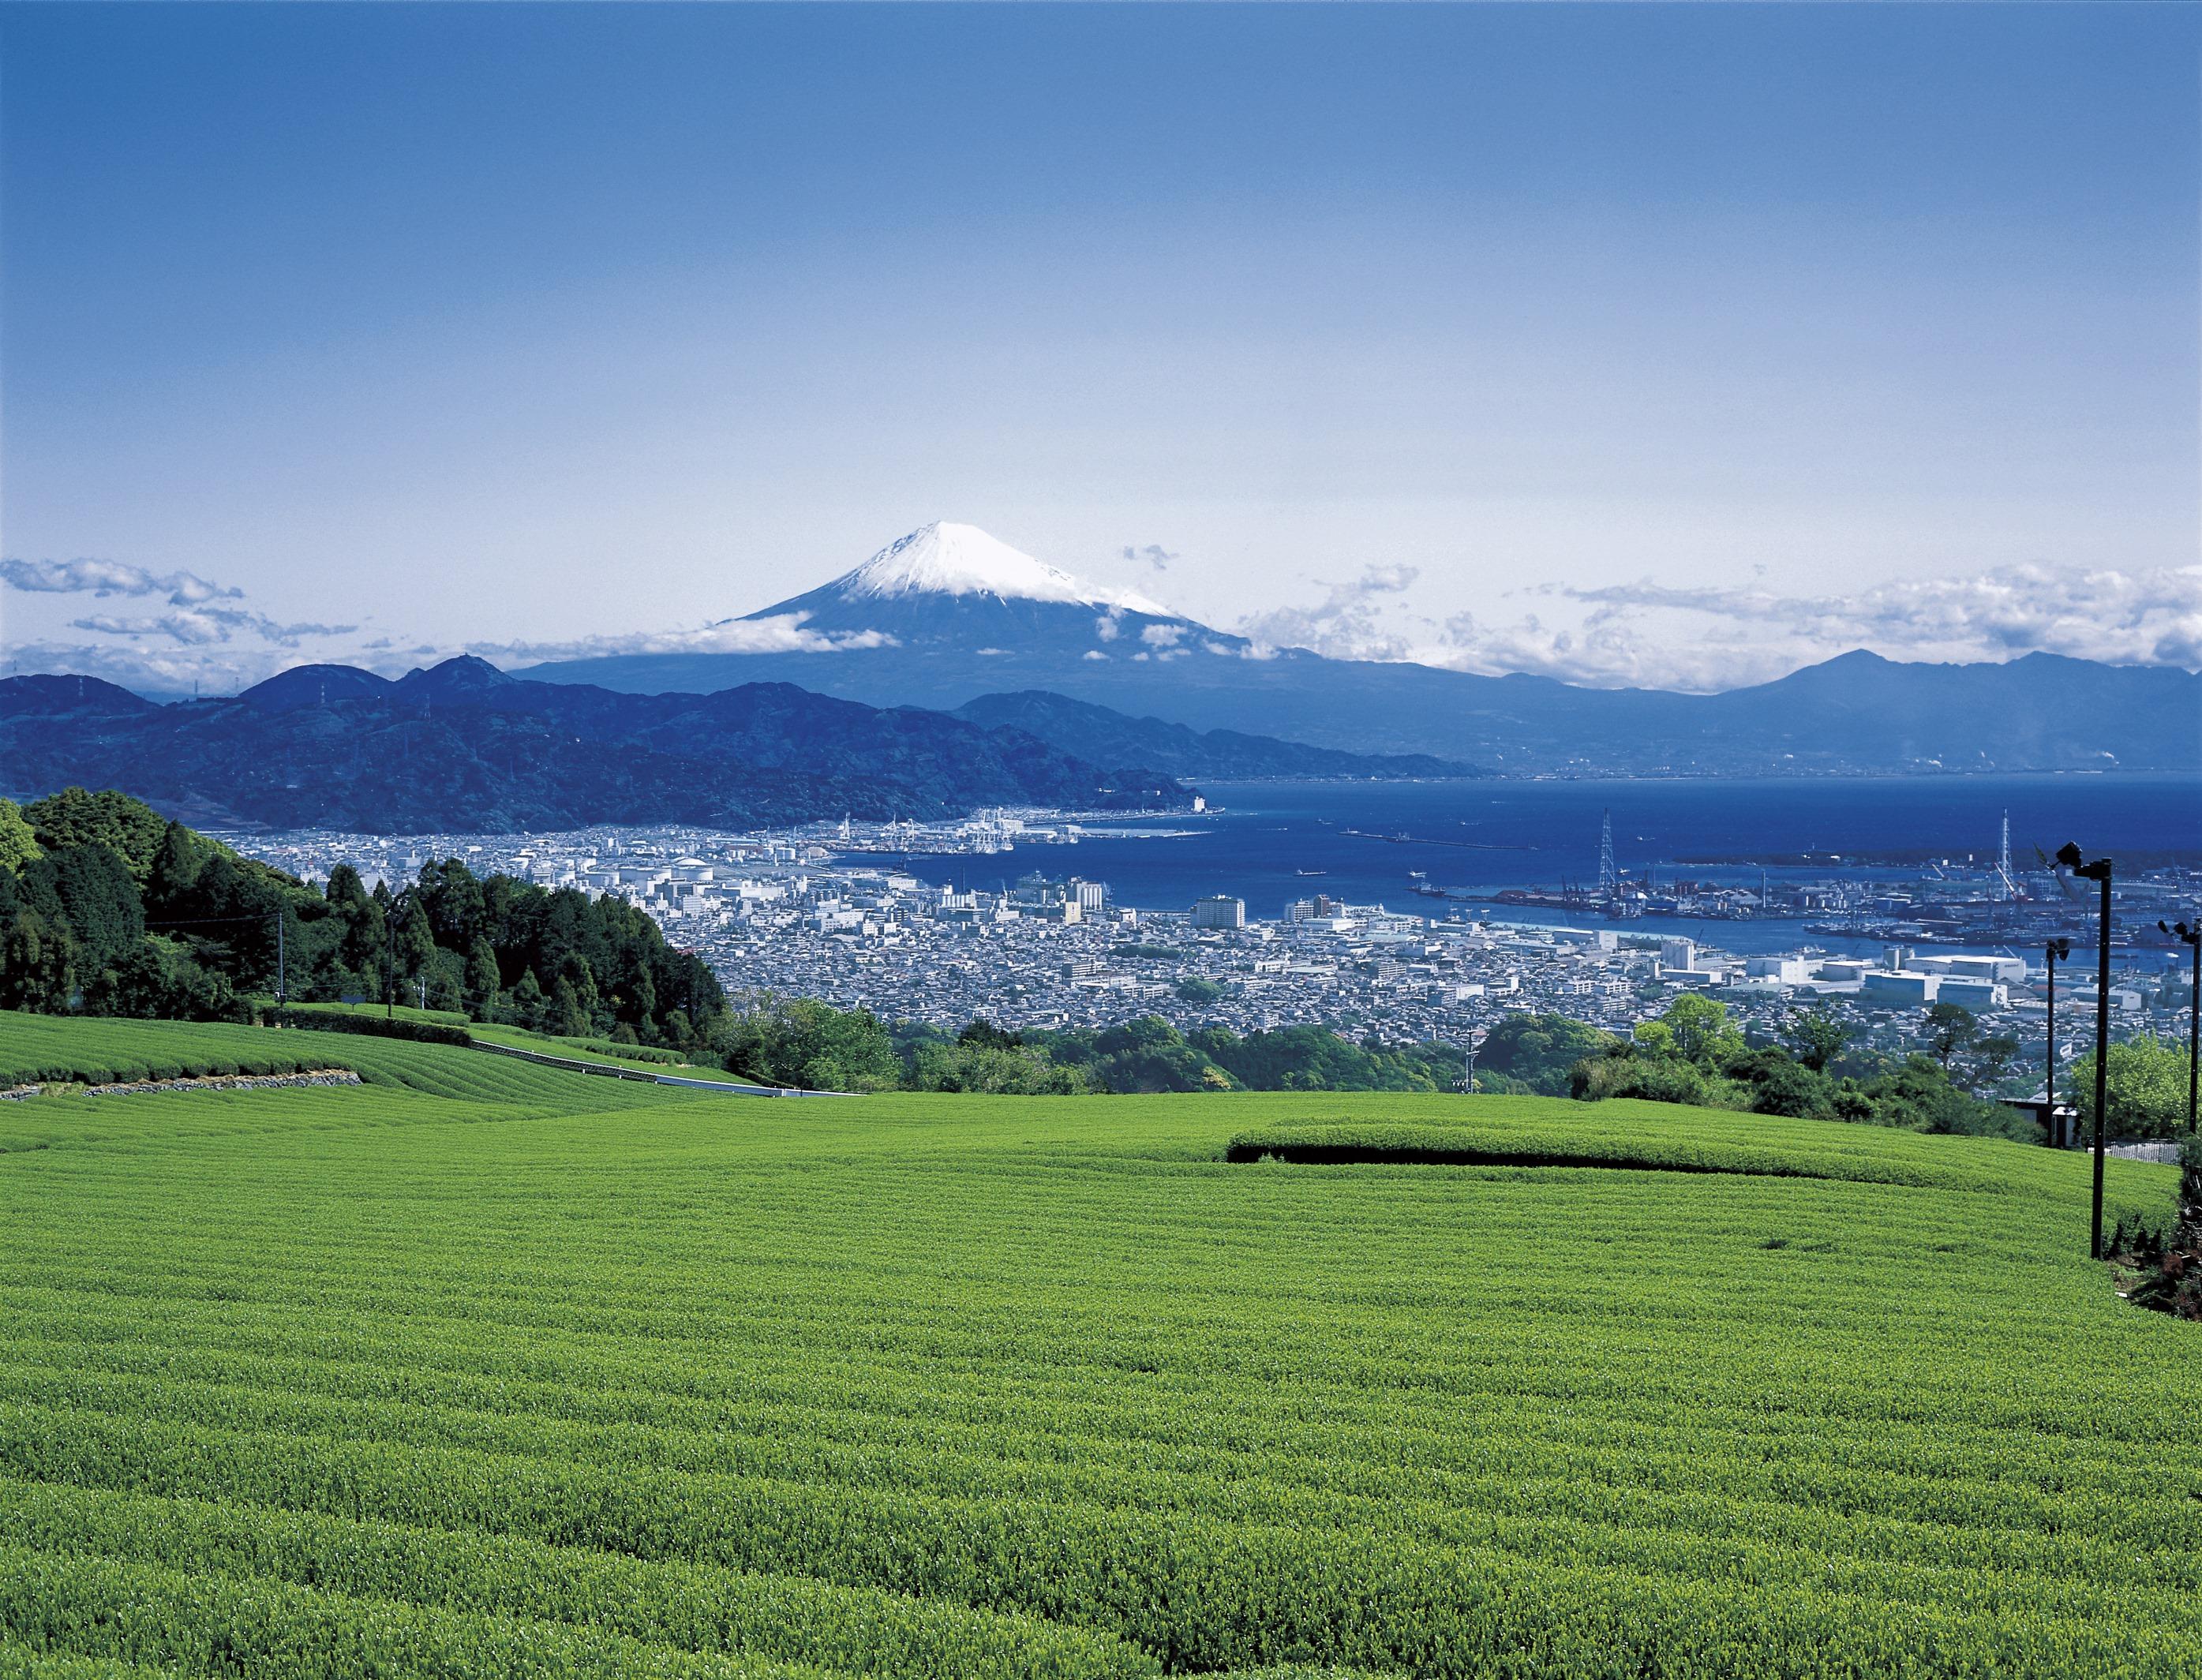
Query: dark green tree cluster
x,y
1146,1054
1150,1054
107,906
983,1058
811,1045
1533,1055
1315,1059
1694,1054
556,962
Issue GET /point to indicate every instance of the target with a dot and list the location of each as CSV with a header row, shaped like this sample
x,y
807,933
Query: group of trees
x,y
1535,1056
1695,1054
108,907
557,961
802,1042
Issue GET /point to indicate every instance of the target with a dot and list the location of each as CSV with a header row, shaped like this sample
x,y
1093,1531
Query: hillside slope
x,y
1099,735
644,1383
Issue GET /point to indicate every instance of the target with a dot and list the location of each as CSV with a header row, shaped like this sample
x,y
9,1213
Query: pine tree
x,y
483,982
568,1019
527,1001
176,869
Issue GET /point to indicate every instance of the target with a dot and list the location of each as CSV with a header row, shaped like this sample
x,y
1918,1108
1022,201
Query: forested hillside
x,y
107,906
463,747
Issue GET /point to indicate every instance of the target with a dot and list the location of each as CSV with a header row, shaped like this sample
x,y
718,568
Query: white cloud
x,y
783,633
1162,635
195,636
1345,625
1107,626
105,578
152,667
1707,638
2146,616
208,626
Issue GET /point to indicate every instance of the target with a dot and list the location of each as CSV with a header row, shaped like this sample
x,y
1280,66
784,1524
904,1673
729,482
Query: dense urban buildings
x,y
802,914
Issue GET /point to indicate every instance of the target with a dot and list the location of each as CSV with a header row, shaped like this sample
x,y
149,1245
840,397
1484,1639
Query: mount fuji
x,y
949,614
962,561
955,589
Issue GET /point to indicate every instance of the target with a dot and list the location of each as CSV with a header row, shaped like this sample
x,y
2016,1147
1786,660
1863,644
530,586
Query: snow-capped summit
x,y
953,593
945,558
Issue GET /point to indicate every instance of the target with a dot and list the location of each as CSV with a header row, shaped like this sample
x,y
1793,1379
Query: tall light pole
x,y
2057,951
2190,934
2070,855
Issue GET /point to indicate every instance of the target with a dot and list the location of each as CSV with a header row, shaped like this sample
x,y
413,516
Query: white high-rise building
x,y
1220,911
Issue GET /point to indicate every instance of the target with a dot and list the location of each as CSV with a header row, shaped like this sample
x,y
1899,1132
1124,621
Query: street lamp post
x,y
2057,951
2190,934
2070,856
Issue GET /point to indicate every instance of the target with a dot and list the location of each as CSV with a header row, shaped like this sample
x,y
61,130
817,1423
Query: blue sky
x,y
1665,345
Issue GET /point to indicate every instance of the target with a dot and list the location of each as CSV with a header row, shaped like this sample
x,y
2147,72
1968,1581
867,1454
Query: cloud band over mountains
x,y
1642,634
1703,639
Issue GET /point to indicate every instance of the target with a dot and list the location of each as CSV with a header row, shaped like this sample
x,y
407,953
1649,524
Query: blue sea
x,y
1535,833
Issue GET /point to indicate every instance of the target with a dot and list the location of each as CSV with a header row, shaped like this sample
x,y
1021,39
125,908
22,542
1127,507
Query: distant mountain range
x,y
465,748
948,614
1095,732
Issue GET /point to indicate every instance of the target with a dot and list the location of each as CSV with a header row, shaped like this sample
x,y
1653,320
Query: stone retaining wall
x,y
230,1082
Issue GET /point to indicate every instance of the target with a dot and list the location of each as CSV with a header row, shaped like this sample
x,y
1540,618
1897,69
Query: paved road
x,y
613,1070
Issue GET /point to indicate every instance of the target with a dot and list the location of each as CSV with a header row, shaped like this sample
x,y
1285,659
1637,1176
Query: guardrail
x,y
608,1070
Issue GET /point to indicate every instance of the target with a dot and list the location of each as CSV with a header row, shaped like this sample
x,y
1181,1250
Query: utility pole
x,y
2190,934
2099,871
2056,951
2193,936
282,970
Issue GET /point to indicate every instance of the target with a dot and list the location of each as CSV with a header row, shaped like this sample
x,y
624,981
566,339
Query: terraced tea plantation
x,y
485,1369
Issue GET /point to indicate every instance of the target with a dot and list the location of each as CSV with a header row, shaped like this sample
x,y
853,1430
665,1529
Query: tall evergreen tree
x,y
177,866
482,980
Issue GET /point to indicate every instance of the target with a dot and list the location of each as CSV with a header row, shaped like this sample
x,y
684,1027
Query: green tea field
x,y
483,1369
